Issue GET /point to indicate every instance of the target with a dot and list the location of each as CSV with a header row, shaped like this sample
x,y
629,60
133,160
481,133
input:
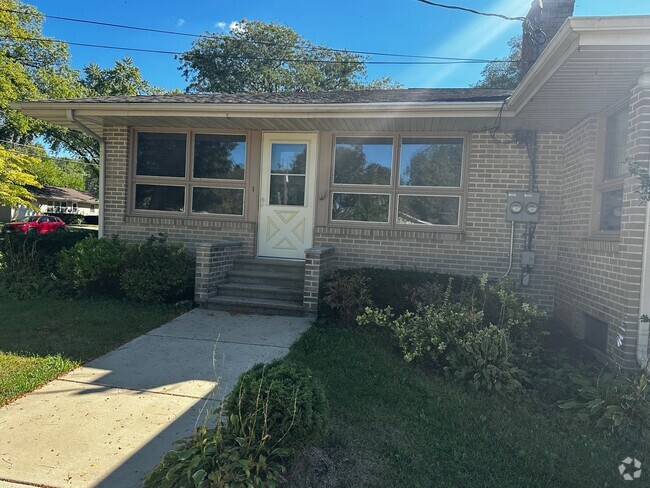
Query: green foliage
x,y
615,403
21,272
14,177
27,263
643,175
347,296
231,454
93,266
246,60
483,334
287,399
483,359
390,287
124,78
157,271
504,73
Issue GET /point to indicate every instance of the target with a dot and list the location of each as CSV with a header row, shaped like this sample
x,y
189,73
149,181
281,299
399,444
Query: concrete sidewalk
x,y
109,422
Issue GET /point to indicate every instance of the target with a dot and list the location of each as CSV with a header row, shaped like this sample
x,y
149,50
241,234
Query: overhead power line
x,y
250,58
472,11
28,146
268,43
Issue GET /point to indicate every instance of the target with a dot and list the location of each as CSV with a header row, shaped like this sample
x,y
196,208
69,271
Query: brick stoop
x,y
263,286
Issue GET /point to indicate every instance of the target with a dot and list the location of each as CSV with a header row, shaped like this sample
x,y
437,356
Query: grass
x,y
394,424
40,339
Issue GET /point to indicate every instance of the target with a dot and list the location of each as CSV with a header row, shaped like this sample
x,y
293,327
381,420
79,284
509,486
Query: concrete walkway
x,y
108,423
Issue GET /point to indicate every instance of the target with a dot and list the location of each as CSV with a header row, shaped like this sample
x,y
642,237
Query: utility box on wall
x,y
522,206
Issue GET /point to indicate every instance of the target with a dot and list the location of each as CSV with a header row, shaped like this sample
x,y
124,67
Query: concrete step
x,y
285,293
288,279
255,306
268,265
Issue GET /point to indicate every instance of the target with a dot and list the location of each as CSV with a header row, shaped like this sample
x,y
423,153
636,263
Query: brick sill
x,y
600,244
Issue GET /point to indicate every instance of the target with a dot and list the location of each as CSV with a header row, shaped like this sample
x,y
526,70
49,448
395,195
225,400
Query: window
x,y
189,172
609,188
419,183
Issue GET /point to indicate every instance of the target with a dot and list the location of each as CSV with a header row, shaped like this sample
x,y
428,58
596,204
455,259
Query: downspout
x,y
643,334
102,155
643,331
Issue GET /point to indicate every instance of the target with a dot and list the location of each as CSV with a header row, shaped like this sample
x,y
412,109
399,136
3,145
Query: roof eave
x,y
577,32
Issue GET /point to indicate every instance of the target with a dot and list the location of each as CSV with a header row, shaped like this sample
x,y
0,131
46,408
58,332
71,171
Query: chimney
x,y
544,19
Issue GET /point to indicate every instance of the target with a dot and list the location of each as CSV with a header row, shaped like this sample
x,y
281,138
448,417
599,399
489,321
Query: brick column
x,y
317,268
213,261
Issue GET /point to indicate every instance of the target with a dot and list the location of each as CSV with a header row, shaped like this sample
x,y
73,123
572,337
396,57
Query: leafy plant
x,y
157,271
23,273
483,358
347,296
288,397
613,402
93,266
230,454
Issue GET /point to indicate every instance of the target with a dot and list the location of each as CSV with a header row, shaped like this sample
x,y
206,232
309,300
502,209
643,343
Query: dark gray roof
x,y
410,95
61,193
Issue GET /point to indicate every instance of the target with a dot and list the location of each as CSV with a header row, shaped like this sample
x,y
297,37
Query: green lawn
x,y
43,338
396,425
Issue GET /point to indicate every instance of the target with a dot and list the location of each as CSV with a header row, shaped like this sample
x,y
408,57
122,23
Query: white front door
x,y
287,195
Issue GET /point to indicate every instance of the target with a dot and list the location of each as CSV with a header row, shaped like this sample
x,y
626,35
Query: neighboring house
x,y
55,200
416,178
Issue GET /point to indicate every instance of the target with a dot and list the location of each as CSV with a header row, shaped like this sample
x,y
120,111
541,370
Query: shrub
x,y
93,266
388,287
483,358
22,271
157,271
347,296
614,403
289,399
231,454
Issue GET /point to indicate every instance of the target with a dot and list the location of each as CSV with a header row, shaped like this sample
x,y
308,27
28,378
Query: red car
x,y
36,224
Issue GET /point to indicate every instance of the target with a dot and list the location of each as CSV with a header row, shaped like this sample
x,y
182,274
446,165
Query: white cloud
x,y
220,25
235,27
180,22
470,40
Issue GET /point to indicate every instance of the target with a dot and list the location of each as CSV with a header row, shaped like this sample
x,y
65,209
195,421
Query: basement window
x,y
595,333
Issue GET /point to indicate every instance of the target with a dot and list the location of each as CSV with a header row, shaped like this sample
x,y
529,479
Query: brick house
x,y
531,183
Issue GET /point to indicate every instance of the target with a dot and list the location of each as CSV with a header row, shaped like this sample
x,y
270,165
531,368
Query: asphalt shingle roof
x,y
410,95
61,193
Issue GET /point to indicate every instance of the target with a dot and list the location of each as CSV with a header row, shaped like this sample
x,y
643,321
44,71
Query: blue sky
x,y
397,26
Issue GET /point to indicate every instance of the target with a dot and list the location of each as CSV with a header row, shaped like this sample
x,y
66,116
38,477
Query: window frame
x,y
395,189
602,185
188,182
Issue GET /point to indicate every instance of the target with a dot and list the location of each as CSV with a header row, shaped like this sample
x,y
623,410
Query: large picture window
x,y
427,190
191,173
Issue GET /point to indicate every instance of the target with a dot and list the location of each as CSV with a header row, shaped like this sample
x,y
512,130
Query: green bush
x,y
93,266
483,334
156,271
483,359
347,296
23,273
229,455
390,287
614,403
289,399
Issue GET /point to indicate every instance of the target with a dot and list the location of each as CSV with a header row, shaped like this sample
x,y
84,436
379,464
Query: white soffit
x,y
592,64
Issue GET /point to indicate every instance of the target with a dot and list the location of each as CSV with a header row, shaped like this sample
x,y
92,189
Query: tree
x,y
124,78
503,73
260,57
14,179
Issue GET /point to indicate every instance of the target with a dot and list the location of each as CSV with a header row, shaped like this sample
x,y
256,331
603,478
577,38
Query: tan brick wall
x,y
483,247
191,232
596,277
